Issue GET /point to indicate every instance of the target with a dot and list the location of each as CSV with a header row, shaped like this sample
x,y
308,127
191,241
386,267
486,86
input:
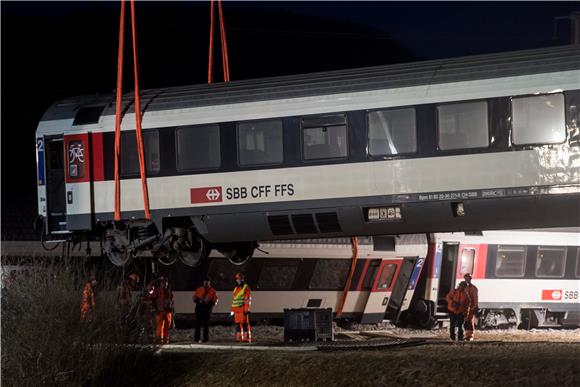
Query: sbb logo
x,y
206,195
552,294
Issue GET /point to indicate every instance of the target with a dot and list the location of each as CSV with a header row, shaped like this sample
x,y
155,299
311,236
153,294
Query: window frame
x,y
525,256
564,248
181,170
438,131
144,133
239,164
324,159
511,124
368,128
463,250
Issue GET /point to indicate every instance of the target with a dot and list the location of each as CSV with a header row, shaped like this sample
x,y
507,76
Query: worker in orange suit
x,y
472,309
162,297
241,302
205,298
457,304
88,300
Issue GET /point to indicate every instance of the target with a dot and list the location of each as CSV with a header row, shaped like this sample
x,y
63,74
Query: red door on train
x,y
81,170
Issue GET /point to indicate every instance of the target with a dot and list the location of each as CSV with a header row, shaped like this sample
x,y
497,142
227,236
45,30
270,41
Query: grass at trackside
x,y
435,364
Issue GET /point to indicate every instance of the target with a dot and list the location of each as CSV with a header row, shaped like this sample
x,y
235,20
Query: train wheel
x,y
115,249
167,258
193,258
240,253
118,258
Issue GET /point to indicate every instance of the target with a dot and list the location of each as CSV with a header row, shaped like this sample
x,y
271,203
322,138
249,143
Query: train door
x,y
376,305
400,290
79,182
55,185
447,274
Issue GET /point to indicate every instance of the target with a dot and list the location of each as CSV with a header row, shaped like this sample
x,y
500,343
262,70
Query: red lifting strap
x,y
118,117
223,43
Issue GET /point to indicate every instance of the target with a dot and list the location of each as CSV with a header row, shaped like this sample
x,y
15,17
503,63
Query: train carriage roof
x,y
468,68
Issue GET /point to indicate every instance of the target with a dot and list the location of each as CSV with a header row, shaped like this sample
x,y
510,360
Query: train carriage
x,y
482,142
313,274
527,279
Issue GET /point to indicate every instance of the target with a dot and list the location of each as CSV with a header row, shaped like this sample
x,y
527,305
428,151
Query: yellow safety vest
x,y
239,299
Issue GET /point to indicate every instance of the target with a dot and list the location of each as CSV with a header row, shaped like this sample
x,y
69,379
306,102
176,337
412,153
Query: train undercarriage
x,y
179,241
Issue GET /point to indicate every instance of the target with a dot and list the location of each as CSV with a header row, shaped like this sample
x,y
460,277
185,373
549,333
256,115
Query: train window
x,y
510,261
324,137
463,125
221,272
329,274
260,142
551,262
370,275
387,275
198,147
467,258
130,158
392,132
88,115
538,119
277,275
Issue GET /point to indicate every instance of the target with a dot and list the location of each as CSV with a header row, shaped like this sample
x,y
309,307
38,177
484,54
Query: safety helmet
x,y
239,276
134,277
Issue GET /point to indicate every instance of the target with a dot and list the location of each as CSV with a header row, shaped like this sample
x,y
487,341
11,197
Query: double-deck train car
x,y
313,274
525,278
474,143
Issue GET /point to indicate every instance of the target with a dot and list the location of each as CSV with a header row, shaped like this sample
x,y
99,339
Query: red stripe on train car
x,y
97,155
480,262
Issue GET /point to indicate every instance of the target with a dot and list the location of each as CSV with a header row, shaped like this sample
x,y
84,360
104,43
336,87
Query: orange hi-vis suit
x,y
163,298
472,293
88,303
241,302
457,301
205,298
457,304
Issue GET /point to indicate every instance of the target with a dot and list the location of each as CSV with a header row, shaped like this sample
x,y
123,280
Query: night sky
x,y
52,50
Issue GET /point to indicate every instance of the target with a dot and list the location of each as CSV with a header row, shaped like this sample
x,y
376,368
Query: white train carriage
x,y
483,142
525,278
313,274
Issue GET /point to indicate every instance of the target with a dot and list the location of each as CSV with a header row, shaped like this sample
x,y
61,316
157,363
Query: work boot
x,y
238,337
452,338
